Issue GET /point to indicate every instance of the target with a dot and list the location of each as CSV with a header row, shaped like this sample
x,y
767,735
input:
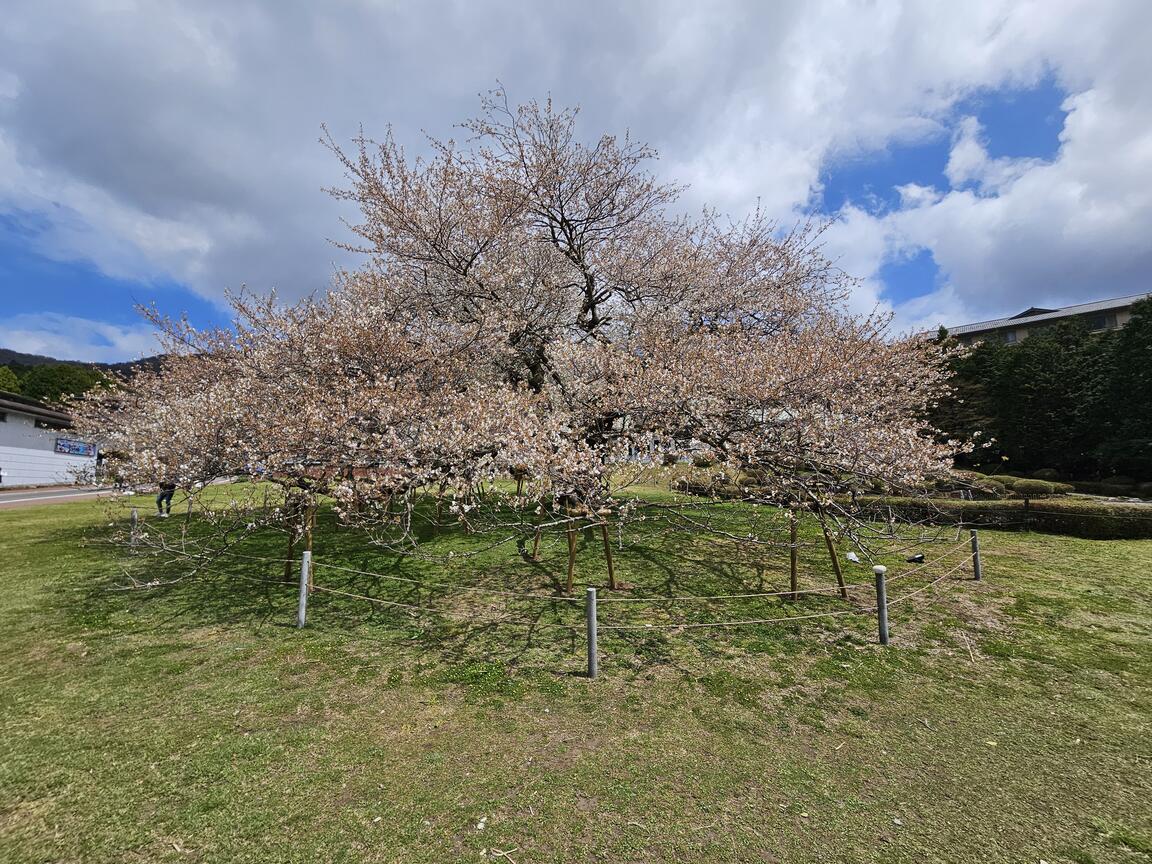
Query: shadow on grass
x,y
457,597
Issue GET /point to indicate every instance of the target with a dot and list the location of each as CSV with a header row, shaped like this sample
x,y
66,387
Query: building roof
x,y
24,405
1024,318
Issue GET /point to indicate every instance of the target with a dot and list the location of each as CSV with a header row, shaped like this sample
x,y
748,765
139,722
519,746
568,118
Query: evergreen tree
x,y
1128,420
54,382
9,383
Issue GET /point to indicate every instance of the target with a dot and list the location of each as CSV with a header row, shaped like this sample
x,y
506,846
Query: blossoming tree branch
x,y
534,324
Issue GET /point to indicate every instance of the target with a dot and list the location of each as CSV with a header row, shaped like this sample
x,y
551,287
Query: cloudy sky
x,y
977,157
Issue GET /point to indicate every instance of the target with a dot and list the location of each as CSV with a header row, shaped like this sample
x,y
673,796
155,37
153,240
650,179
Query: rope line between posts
x,y
428,609
478,589
920,568
369,599
690,597
693,626
939,578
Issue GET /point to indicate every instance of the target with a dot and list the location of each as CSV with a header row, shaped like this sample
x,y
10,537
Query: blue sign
x,y
73,447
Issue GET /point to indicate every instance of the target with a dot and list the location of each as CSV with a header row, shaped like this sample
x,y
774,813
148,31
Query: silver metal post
x,y
881,602
135,525
976,572
305,569
590,615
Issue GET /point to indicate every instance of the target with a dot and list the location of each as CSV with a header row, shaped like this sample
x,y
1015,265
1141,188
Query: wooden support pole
x,y
291,552
536,545
608,556
835,558
793,555
977,569
571,556
309,524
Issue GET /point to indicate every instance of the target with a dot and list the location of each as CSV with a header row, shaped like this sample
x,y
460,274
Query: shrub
x,y
980,485
1049,474
704,460
1073,517
1144,490
1063,488
1089,487
993,488
1119,480
1032,489
1006,480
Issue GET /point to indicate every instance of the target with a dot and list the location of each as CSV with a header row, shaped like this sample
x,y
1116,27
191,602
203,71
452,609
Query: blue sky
x,y
978,159
1017,122
43,284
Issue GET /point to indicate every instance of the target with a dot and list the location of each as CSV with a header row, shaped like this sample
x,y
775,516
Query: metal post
x,y
590,615
305,572
976,573
135,525
881,602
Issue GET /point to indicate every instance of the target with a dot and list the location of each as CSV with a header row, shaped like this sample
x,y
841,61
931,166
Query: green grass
x,y
1009,720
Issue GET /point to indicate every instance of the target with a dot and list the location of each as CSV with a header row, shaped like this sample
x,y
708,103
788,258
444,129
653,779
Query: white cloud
x,y
70,338
179,140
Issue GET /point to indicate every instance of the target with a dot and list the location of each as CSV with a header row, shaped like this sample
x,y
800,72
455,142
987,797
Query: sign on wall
x,y
74,447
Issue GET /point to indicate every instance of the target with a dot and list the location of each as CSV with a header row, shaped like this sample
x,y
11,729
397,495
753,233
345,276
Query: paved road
x,y
50,495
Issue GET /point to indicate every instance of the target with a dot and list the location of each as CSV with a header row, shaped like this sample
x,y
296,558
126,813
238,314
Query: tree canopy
x,y
1065,398
58,381
532,305
8,380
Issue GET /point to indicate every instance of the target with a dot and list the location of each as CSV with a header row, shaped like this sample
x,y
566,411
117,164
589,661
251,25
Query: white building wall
x,y
28,455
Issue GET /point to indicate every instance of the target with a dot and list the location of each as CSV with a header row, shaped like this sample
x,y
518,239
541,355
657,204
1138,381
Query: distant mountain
x,y
9,357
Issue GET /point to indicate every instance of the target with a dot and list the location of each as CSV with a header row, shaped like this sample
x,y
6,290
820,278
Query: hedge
x,y
1072,517
1004,479
1091,487
1091,520
1033,488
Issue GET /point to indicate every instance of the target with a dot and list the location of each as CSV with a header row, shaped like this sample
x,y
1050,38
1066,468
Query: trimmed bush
x,y
1032,489
980,485
1006,480
1073,517
994,488
1063,488
1049,474
1119,481
1094,488
1144,490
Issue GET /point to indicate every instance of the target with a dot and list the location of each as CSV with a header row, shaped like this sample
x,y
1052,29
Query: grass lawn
x,y
1009,721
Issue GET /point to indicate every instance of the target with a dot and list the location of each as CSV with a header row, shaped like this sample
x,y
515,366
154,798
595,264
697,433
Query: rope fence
x,y
593,625
495,592
858,607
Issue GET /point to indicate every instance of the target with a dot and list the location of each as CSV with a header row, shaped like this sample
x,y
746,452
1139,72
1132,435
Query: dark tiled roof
x,y
1066,312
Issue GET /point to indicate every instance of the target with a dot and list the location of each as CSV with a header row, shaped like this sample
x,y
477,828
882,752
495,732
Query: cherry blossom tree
x,y
534,323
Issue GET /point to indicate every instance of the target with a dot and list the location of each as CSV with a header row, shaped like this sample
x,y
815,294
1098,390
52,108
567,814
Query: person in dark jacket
x,y
164,499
